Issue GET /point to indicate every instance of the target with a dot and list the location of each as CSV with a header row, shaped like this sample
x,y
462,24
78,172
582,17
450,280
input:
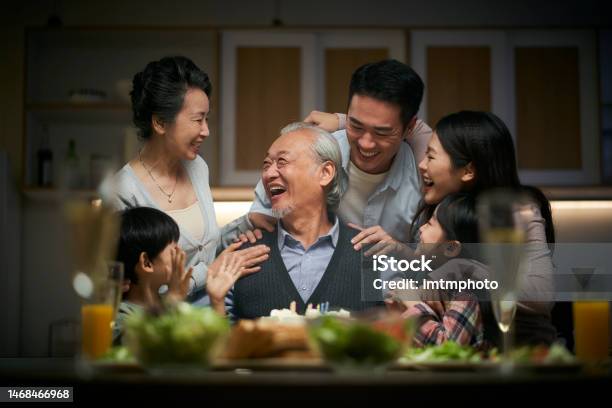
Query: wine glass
x,y
503,235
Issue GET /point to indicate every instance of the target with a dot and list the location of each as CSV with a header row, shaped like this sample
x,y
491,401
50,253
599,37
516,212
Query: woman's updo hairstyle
x,y
160,90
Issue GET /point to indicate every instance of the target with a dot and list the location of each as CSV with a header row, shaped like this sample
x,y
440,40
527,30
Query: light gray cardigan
x,y
130,192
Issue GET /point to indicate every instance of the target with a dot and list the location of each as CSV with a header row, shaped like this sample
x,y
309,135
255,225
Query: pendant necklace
x,y
149,170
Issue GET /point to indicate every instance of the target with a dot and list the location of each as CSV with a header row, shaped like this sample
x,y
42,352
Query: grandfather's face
x,y
288,173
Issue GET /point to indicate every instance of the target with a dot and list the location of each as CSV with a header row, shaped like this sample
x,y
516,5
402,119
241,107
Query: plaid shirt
x,y
459,320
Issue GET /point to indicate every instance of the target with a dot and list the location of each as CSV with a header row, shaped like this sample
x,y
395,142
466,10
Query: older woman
x,y
170,104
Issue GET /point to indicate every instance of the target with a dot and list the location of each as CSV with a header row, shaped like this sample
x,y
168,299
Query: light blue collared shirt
x,y
393,203
307,266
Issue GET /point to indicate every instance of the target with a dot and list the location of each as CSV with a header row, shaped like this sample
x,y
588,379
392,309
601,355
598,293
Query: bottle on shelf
x,y
45,162
71,168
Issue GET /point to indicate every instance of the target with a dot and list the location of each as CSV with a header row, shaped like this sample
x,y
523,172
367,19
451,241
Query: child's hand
x,y
230,266
437,306
249,236
178,287
394,303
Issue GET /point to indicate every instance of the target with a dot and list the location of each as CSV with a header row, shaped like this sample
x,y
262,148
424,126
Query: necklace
x,y
149,170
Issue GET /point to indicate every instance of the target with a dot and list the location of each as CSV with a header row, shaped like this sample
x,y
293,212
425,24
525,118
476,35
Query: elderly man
x,y
311,257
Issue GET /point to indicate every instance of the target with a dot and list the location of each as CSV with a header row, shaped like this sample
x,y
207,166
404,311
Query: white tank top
x,y
190,220
361,185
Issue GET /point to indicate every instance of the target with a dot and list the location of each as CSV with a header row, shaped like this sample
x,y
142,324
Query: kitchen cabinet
x,y
541,83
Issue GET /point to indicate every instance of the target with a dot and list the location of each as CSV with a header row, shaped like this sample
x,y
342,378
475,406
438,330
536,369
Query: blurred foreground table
x,y
300,387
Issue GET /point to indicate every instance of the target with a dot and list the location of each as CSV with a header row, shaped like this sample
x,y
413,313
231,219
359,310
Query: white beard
x,y
279,213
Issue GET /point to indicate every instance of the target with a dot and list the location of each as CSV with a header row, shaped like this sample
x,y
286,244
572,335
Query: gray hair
x,y
324,149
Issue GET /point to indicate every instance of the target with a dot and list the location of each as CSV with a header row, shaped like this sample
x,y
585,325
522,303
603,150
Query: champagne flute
x,y
503,231
115,279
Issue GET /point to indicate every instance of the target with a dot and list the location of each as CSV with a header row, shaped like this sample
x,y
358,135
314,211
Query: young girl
x,y
445,315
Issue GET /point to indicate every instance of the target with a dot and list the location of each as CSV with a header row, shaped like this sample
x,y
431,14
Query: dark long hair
x,y
481,138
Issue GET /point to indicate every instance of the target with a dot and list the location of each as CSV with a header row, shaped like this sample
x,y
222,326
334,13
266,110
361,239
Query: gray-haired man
x,y
311,255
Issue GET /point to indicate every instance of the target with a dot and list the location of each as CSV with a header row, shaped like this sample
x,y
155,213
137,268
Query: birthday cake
x,y
282,334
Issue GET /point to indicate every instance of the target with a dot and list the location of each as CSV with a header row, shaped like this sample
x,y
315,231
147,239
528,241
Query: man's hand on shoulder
x,y
324,120
262,221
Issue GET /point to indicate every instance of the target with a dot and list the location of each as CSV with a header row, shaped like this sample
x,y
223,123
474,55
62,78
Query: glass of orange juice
x,y
101,293
591,330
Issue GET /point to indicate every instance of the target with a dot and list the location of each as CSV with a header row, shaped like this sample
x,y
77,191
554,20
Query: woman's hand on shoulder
x,y
262,221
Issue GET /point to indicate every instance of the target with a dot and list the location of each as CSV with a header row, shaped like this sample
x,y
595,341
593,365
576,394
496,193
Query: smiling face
x,y
290,174
431,232
440,178
374,129
185,135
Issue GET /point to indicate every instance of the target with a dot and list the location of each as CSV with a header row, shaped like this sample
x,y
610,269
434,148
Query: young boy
x,y
151,258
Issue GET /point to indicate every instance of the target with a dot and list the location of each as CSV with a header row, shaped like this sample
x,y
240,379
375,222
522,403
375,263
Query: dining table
x,y
303,384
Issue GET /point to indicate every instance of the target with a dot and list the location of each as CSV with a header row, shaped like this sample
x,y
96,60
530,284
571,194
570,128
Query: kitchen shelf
x,y
74,112
578,193
79,106
224,194
51,194
220,194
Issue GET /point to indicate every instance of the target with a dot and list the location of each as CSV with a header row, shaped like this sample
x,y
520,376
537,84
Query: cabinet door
x,y
462,70
605,58
341,52
542,84
268,81
556,106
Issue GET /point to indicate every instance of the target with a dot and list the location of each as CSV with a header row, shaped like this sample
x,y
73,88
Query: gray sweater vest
x,y
257,294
